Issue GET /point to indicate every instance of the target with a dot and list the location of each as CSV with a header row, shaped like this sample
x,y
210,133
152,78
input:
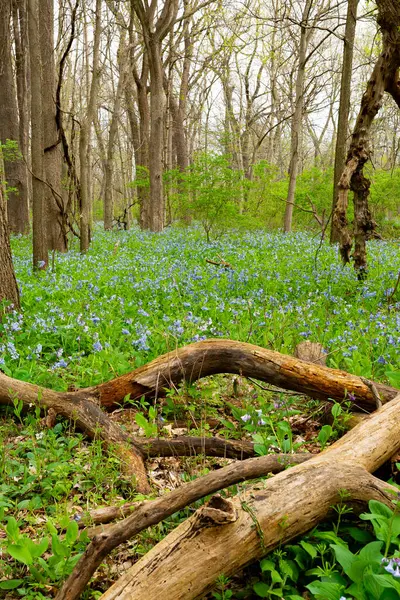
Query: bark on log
x,y
227,356
190,446
154,511
188,364
286,506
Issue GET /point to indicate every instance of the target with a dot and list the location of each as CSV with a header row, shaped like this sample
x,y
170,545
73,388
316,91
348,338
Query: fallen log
x,y
231,535
227,356
190,446
153,511
189,364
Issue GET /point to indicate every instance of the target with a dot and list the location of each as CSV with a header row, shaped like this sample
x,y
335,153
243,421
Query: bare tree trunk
x,y
15,169
384,77
344,106
155,29
157,123
40,253
8,289
109,167
20,26
297,118
55,210
84,139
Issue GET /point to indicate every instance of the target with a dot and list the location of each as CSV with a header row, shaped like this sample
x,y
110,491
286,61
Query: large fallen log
x,y
154,511
228,536
189,364
227,356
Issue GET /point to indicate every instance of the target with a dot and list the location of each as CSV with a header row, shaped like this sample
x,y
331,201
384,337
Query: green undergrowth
x,y
137,295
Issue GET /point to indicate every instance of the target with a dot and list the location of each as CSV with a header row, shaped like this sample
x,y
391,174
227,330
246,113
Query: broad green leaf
x,y
325,591
141,420
343,556
58,547
72,533
309,548
261,589
10,584
20,553
266,565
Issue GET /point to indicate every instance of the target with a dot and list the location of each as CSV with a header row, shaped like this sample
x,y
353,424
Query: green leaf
x,y
266,565
394,378
358,534
372,552
343,556
261,589
12,529
336,410
325,590
374,584
309,548
325,434
58,547
37,549
275,576
72,532
379,508
10,584
141,420
20,553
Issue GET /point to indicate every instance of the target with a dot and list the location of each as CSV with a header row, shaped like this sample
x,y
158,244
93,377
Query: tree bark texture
x,y
344,106
227,356
39,230
225,536
14,166
84,139
8,285
56,218
384,77
297,120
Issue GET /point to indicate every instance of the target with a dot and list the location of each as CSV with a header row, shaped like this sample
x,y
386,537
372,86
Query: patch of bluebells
x,y
157,291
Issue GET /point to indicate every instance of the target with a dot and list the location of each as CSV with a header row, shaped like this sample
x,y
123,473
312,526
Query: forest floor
x,y
133,297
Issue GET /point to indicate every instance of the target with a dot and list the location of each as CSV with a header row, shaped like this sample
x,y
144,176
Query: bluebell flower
x,y
245,418
61,364
97,347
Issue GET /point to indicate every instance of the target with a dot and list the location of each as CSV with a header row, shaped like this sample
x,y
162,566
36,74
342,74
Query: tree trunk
x,y
344,106
297,119
157,123
384,77
109,166
226,535
14,166
55,211
8,289
40,253
84,139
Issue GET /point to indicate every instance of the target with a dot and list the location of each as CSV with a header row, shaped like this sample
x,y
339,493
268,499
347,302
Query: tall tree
x,y
156,23
384,78
8,288
15,169
344,105
40,251
54,203
84,139
298,114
